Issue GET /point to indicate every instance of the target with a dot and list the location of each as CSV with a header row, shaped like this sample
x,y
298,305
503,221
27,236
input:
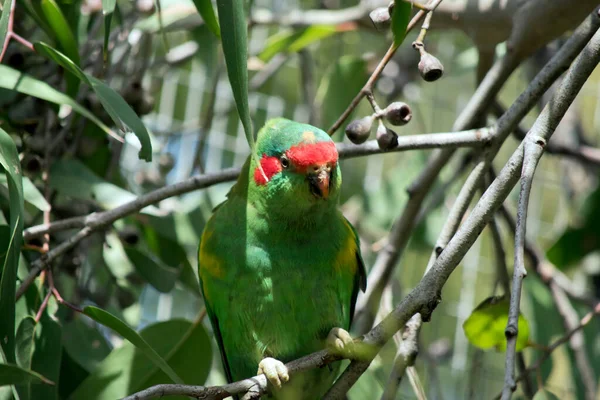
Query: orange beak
x,y
318,179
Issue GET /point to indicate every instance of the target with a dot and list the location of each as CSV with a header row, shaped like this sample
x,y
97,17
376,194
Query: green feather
x,y
279,268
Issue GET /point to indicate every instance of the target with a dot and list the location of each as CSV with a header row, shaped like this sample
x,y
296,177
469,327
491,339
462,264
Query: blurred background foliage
x,y
142,269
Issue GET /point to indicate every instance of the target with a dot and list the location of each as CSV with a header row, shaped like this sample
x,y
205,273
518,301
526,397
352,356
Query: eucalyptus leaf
x,y
113,103
9,160
12,79
108,9
234,36
485,326
185,346
206,11
294,41
120,327
11,374
65,38
6,6
400,19
159,275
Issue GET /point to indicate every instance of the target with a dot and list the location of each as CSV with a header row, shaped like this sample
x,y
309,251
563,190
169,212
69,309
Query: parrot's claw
x,y
340,342
275,370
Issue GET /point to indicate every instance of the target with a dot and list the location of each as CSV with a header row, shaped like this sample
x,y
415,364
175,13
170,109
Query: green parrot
x,y
280,267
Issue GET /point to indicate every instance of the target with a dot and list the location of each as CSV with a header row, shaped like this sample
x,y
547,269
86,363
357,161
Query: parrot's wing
x,y
208,303
360,279
217,332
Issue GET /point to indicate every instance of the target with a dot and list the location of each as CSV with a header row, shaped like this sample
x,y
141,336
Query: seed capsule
x,y
381,18
358,130
398,113
386,138
430,68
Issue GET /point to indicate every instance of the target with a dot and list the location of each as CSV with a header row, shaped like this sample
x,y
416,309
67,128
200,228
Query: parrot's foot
x,y
275,370
340,342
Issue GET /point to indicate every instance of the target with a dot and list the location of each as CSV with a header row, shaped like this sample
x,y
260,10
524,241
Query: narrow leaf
x,y
112,322
234,36
113,103
294,41
206,11
14,80
14,375
65,38
6,6
9,160
400,19
159,275
108,9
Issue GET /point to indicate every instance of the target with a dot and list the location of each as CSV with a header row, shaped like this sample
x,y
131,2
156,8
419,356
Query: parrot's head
x,y
296,168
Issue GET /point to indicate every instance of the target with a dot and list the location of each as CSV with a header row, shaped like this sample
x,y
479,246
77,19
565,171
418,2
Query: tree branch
x,y
425,297
533,148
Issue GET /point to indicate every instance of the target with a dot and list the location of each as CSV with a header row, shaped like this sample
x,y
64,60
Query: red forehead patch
x,y
305,155
270,166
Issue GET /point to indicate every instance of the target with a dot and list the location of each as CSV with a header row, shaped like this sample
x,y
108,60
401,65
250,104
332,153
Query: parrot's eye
x,y
285,162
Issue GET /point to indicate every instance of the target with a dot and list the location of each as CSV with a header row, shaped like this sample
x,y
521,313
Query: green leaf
x,y
47,355
294,41
159,275
30,193
485,326
108,9
112,322
184,345
400,19
234,36
118,109
72,178
14,375
84,343
65,38
544,394
576,242
6,6
206,11
24,347
12,79
9,160
338,87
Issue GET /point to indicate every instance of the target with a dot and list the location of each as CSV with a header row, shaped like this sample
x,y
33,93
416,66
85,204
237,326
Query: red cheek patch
x,y
270,166
306,155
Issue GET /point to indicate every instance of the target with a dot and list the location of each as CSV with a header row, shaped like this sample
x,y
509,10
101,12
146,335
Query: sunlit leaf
x,y
14,375
485,326
400,19
9,160
65,38
185,346
14,80
120,327
294,41
113,103
206,11
234,36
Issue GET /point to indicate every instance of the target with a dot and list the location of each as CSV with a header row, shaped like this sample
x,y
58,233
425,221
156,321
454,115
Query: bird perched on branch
x,y
280,266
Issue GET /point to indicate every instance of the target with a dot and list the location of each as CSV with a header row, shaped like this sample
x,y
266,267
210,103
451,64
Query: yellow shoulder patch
x,y
208,263
346,257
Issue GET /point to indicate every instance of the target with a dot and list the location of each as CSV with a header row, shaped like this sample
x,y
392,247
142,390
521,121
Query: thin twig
x,y
10,34
532,152
425,297
368,87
